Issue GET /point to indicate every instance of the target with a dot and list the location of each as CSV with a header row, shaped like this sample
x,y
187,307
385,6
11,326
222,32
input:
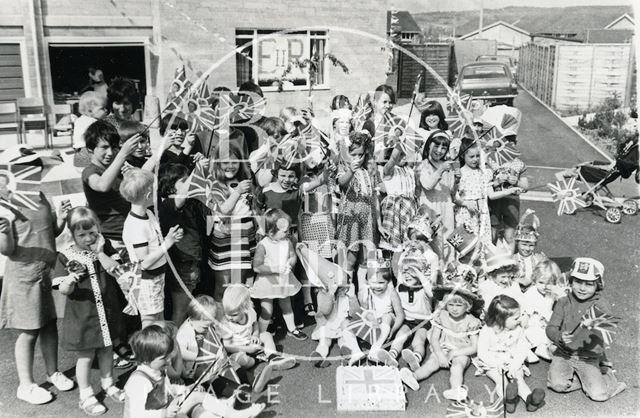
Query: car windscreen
x,y
494,58
488,71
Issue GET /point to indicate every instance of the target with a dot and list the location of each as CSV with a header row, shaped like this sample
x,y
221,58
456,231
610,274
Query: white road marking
x,y
544,167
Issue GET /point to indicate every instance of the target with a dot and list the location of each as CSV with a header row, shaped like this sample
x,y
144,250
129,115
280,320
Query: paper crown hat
x,y
497,258
528,231
377,261
589,269
425,223
461,279
463,240
410,262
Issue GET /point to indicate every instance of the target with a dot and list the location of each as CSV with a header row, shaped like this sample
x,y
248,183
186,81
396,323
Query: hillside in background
x,y
532,19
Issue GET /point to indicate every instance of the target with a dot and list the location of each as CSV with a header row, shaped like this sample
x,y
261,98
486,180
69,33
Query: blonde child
x,y
474,189
143,240
242,338
580,362
273,263
382,298
150,394
538,301
416,270
503,348
263,159
92,107
93,317
454,335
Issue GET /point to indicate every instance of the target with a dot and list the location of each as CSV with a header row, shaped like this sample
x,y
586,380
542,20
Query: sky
x,y
418,6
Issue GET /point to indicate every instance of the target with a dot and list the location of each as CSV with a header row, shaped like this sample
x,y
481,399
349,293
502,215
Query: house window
x,y
408,37
270,60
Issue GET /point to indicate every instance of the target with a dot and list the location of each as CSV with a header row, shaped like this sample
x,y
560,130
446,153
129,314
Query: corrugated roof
x,y
406,21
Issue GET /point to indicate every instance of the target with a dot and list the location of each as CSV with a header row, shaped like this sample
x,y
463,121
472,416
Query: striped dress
x,y
233,240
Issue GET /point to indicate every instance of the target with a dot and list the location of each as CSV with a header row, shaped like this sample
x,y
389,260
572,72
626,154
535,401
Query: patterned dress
x,y
92,317
473,186
398,208
355,222
316,223
275,285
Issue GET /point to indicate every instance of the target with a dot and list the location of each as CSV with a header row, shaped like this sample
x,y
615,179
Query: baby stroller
x,y
596,175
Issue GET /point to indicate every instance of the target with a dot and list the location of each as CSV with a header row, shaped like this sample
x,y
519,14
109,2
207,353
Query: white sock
x,y
85,393
106,382
288,319
362,276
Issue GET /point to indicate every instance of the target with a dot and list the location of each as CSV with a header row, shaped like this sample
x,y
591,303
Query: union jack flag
x,y
460,115
179,91
361,112
24,181
393,126
212,348
567,195
200,183
365,325
498,150
597,320
128,276
241,107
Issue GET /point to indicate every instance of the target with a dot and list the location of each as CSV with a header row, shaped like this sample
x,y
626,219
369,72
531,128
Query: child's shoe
x,y
532,358
92,406
309,309
319,361
456,394
34,394
60,381
409,379
412,359
511,397
619,389
262,378
281,362
298,335
542,351
382,356
535,400
115,394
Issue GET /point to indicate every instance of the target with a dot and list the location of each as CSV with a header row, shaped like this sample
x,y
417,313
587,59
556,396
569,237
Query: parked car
x,y
503,59
488,81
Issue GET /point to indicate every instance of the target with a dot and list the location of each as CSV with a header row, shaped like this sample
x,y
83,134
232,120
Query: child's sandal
x,y
92,407
309,310
115,394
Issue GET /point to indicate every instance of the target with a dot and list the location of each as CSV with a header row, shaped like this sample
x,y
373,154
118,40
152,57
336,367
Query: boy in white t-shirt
x,y
143,240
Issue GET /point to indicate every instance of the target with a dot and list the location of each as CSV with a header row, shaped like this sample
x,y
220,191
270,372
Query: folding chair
x,y
32,117
64,118
9,119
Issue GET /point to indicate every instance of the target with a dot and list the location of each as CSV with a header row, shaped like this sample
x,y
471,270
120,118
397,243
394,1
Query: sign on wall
x,y
275,54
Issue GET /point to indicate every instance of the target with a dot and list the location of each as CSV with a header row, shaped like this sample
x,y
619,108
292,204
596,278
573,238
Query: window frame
x,y
254,33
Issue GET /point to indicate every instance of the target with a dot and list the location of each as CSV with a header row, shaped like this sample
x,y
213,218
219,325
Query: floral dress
x,y
473,186
356,218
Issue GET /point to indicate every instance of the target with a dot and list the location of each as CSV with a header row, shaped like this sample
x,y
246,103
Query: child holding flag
x,y
578,328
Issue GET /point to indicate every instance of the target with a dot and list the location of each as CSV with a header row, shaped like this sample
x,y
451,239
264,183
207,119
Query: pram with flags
x,y
586,184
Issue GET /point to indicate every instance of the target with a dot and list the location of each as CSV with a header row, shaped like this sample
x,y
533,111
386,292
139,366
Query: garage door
x,y
11,82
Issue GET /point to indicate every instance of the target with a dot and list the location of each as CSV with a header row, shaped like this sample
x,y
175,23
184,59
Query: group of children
x,y
407,236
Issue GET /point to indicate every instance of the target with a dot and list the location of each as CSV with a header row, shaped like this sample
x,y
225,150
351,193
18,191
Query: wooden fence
x,y
438,56
570,76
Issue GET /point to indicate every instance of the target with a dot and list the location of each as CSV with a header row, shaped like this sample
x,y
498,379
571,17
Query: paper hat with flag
x,y
426,222
463,240
461,279
588,269
377,261
528,232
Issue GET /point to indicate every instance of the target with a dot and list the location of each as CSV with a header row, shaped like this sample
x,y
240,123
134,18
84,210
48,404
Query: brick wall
x,y
182,40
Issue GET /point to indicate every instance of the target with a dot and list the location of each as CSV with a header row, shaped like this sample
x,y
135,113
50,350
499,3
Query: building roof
x,y
498,23
406,21
623,17
608,36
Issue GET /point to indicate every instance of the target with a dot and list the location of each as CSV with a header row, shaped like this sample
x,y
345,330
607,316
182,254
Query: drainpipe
x,y
34,35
